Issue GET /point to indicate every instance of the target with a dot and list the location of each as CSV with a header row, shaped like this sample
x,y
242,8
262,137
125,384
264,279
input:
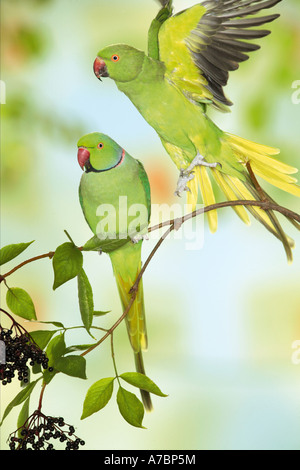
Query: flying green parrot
x,y
189,58
116,185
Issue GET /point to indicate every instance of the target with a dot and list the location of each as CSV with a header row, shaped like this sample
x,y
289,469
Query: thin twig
x,y
134,291
177,222
174,223
109,332
113,356
35,258
257,186
69,237
41,396
266,205
160,241
9,315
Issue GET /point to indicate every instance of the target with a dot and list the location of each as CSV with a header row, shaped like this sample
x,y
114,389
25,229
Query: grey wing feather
x,y
219,42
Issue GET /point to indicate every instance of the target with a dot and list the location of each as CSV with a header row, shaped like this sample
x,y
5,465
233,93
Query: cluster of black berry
x,y
39,430
19,349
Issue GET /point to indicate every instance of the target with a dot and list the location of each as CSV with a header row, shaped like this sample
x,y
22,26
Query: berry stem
x,y
113,357
41,397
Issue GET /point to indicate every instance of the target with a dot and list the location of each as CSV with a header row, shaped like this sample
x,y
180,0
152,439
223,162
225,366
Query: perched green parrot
x,y
189,58
117,185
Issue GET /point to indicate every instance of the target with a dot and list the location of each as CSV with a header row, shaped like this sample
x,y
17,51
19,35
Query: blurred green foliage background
x,y
221,320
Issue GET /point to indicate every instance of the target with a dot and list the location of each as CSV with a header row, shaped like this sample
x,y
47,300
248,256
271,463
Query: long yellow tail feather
x,y
231,196
264,165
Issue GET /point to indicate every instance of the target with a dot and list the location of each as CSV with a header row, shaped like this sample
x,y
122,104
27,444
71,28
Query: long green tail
x,y
126,262
263,163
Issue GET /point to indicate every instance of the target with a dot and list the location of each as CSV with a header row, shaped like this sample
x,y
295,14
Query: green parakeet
x,y
189,59
116,186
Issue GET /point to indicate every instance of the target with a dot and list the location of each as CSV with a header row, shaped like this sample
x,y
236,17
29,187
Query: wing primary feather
x,y
220,60
213,38
212,22
164,2
243,33
232,44
231,54
218,75
249,10
249,22
218,92
235,4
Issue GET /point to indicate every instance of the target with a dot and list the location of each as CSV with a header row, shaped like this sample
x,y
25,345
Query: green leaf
x,y
42,337
55,349
142,381
86,301
58,324
36,368
97,397
23,415
67,262
131,408
93,244
107,245
57,346
98,313
78,347
9,252
20,303
25,393
72,365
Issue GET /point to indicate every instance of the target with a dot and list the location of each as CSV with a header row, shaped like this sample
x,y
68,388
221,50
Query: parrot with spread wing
x,y
189,58
116,185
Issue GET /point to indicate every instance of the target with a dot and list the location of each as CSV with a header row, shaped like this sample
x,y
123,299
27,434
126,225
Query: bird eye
x,y
100,146
115,58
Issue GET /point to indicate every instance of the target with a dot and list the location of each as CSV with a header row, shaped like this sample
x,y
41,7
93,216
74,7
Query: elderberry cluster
x,y
19,350
39,432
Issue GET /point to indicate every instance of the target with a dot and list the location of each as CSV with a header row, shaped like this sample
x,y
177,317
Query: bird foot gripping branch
x,y
186,174
138,238
190,56
184,178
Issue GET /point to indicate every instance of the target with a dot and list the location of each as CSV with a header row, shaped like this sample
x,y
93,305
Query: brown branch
x,y
160,241
173,224
41,396
257,186
35,258
109,332
266,205
177,222
133,290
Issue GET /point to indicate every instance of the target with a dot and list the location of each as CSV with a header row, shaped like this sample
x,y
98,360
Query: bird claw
x,y
184,178
214,165
199,161
138,238
186,174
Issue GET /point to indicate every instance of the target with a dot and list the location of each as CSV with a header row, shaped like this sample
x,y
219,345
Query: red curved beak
x,y
82,155
100,69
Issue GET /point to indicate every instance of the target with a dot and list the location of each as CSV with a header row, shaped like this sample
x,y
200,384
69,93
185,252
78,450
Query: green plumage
x,y
114,195
190,55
